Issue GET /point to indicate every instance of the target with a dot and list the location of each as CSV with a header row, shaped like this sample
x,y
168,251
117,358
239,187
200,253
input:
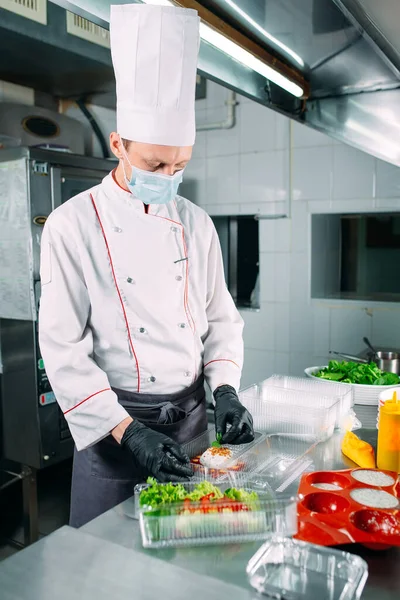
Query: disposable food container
x,y
286,569
176,524
291,412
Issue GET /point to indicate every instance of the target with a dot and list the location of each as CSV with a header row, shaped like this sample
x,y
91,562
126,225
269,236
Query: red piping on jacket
x,y
221,360
88,398
118,292
186,290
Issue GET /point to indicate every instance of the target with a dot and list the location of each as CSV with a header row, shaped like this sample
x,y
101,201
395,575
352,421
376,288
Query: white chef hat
x,y
154,52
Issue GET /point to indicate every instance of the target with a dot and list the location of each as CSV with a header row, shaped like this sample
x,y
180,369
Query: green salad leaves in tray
x,y
204,498
172,514
352,372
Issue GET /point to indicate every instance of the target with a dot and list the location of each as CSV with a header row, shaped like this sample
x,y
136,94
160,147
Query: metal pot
x,y
386,361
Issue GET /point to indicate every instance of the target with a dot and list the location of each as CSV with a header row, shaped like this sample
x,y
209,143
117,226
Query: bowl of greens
x,y
367,380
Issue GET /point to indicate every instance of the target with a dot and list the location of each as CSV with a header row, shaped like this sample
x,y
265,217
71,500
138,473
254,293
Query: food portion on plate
x,y
215,458
358,373
218,459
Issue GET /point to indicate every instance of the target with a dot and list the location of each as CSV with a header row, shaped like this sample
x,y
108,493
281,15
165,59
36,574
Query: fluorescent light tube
x,y
265,33
216,39
247,59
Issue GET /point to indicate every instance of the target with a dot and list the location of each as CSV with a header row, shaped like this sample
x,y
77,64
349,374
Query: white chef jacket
x,y
131,300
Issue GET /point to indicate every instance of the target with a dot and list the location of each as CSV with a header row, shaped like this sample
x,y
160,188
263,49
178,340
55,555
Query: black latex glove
x,y
229,410
156,453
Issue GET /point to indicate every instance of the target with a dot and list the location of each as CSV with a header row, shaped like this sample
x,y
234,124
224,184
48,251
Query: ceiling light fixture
x,y
265,33
297,87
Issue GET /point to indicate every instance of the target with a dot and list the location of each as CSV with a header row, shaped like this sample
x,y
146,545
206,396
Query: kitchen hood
x,y
343,56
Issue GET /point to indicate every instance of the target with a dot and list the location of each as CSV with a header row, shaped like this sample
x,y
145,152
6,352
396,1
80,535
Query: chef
x,y
135,315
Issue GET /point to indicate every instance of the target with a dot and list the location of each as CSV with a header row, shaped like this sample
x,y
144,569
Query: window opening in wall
x,y
239,240
356,257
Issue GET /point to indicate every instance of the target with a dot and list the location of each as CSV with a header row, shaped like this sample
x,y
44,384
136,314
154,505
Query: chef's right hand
x,y
159,456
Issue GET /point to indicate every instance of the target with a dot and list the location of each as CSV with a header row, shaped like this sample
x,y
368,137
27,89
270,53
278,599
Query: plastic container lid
x,y
341,392
286,569
312,416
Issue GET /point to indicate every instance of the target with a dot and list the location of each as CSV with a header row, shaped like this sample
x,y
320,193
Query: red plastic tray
x,y
332,517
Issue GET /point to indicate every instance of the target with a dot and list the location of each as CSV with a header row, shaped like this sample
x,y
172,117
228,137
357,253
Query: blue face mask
x,y
153,188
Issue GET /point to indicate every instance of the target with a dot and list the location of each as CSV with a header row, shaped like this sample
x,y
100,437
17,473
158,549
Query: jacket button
x,y
142,330
182,325
179,277
152,379
129,280
117,229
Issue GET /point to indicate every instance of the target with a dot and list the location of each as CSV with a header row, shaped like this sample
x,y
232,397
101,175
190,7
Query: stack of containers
x,y
298,407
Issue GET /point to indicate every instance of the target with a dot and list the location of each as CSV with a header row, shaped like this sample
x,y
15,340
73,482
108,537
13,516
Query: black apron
x,y
104,475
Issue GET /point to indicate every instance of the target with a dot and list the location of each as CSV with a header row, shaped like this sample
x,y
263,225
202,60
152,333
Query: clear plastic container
x,y
291,412
287,569
245,457
342,392
282,462
171,525
203,441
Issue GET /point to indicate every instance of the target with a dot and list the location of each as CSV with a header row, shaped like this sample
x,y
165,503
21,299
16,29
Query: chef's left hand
x,y
229,410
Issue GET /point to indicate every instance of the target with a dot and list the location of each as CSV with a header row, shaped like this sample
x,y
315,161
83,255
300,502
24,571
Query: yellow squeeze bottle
x,y
389,435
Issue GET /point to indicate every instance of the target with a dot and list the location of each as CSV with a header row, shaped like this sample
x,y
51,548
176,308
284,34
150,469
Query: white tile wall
x,y
223,179
386,327
275,276
260,364
270,209
282,132
194,184
259,332
300,227
353,173
301,327
306,137
267,277
348,326
283,231
264,177
282,276
282,327
387,180
282,363
300,278
222,142
257,128
312,173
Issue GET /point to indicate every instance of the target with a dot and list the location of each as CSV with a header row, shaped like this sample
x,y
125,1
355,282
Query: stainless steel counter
x,y
228,563
105,559
72,565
